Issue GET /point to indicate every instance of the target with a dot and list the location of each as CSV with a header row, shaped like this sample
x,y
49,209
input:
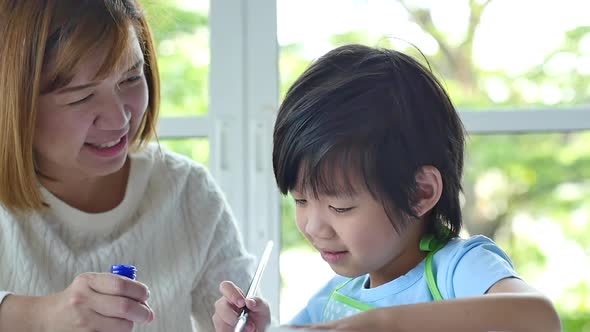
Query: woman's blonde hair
x,y
34,31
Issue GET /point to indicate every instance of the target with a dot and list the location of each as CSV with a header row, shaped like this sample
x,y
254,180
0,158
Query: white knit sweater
x,y
174,225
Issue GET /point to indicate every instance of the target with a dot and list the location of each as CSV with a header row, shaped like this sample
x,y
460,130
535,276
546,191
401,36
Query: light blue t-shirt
x,y
464,267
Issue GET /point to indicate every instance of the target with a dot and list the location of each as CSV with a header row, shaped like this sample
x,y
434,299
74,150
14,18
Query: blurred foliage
x,y
195,148
182,44
531,192
182,41
291,236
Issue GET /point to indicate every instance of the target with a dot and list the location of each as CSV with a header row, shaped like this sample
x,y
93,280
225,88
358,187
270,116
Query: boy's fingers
x,y
220,324
233,294
251,303
225,313
250,327
256,304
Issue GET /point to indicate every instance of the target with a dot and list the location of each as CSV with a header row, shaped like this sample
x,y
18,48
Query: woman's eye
x,y
81,101
132,79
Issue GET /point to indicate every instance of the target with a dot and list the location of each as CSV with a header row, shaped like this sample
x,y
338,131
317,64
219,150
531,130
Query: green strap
x,y
351,302
431,278
347,300
428,243
432,245
342,285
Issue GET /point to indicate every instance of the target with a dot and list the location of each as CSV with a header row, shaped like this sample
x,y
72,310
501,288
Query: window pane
x,y
486,54
530,193
181,31
194,148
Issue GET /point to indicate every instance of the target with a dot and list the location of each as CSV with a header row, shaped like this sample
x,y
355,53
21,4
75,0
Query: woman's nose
x,y
114,116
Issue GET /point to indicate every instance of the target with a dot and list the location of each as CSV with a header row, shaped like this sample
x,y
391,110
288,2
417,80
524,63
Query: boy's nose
x,y
318,227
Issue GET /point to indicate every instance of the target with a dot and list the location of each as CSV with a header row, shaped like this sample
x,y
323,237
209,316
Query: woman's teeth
x,y
107,144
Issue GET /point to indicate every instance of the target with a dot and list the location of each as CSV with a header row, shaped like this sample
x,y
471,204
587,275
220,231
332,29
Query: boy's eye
x,y
300,202
341,210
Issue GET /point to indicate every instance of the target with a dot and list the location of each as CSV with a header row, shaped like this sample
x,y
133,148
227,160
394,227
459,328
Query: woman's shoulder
x,y
169,175
162,163
168,169
161,157
178,190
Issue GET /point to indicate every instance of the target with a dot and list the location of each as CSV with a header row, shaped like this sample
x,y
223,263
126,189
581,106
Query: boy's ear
x,y
429,188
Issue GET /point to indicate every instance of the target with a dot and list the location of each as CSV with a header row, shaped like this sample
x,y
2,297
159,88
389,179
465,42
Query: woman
x,y
80,188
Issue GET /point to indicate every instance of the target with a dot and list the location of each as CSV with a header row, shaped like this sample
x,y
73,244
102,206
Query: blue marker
x,y
128,271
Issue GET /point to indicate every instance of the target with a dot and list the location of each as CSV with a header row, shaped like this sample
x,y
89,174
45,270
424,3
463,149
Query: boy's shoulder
x,y
459,243
470,266
457,247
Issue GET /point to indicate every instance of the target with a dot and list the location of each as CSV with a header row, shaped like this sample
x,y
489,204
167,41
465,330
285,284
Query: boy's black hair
x,y
377,114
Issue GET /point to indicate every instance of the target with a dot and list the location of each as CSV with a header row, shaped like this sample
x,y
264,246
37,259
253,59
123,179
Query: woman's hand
x,y
96,302
228,307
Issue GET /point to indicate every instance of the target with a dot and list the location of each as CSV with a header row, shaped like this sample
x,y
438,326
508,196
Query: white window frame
x,y
244,95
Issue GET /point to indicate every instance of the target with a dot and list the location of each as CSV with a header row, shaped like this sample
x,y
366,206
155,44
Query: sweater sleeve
x,y
226,259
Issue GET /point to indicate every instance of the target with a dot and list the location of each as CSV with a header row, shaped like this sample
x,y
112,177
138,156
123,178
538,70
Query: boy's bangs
x,y
336,173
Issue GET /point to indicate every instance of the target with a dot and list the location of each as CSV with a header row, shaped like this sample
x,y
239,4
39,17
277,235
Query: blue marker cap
x,y
128,271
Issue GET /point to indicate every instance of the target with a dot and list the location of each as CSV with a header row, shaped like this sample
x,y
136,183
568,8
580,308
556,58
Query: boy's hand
x,y
229,306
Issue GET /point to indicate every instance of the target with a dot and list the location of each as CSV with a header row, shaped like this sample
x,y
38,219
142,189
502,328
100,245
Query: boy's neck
x,y
408,259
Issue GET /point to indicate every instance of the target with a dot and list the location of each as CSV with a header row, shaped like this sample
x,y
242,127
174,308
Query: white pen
x,y
254,286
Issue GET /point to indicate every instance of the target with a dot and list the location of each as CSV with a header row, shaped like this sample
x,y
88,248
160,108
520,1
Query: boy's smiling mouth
x,y
333,257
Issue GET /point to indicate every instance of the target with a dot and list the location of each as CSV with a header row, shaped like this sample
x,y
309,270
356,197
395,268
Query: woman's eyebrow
x,y
76,88
138,64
